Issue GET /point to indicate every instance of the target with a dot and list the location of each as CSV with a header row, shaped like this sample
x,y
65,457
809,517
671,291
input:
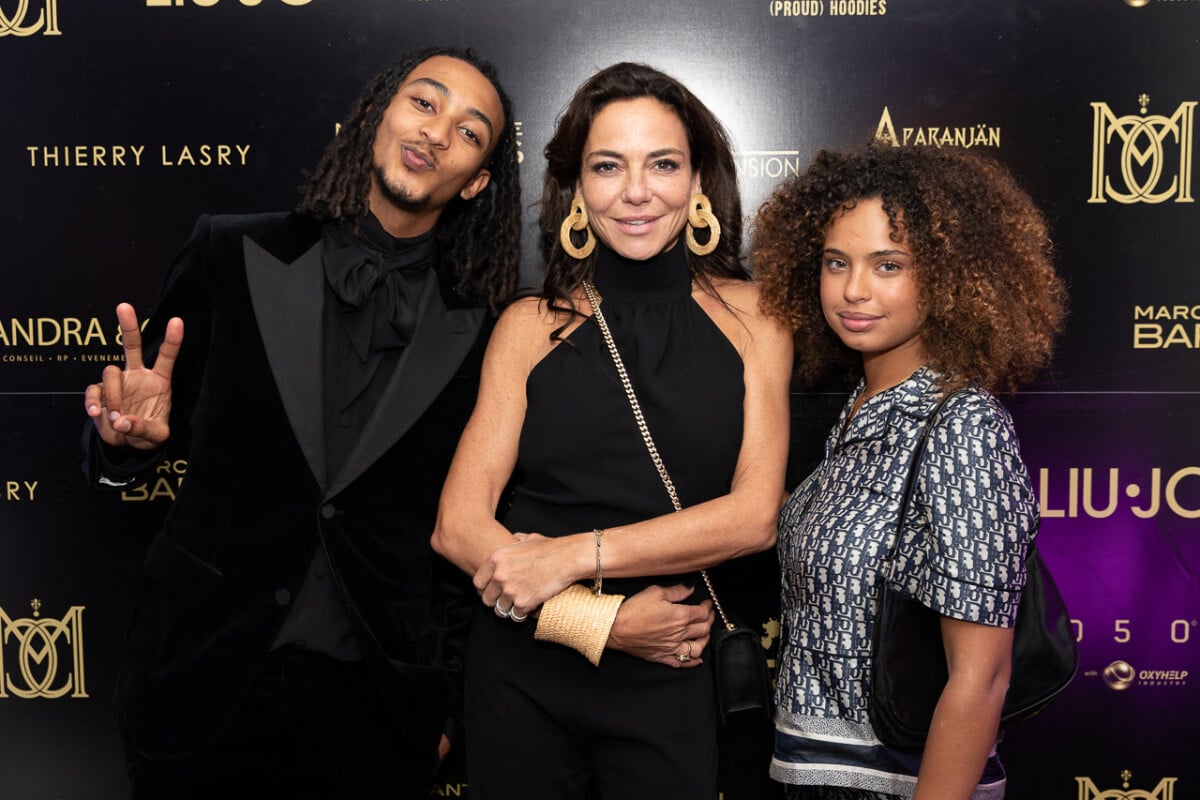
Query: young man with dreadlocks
x,y
293,636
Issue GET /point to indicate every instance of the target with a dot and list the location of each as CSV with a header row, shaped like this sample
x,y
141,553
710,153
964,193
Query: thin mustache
x,y
425,152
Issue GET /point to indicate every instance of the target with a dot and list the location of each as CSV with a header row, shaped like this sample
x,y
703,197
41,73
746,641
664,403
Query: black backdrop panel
x,y
125,120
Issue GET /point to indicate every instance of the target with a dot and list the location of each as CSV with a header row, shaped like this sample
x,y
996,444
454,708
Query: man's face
x,y
435,136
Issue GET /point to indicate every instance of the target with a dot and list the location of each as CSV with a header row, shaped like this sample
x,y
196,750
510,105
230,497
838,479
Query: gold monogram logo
x,y
1146,142
35,645
47,18
1164,791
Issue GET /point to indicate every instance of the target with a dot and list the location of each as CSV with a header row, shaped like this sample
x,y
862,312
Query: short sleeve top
x,y
961,551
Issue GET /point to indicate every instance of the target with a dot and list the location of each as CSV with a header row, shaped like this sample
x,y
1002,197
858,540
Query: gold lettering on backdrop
x,y
82,155
48,332
1100,494
1142,150
1089,791
17,491
1153,336
796,8
1162,327
1134,490
1174,312
857,8
158,489
1119,675
966,136
211,3
206,155
1172,493
772,164
31,659
886,132
815,8
118,338
121,155
47,20
168,478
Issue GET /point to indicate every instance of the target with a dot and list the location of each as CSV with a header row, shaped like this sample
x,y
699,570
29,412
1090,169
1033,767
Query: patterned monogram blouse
x,y
961,552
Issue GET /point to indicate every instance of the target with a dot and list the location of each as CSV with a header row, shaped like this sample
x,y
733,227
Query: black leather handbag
x,y
909,672
740,666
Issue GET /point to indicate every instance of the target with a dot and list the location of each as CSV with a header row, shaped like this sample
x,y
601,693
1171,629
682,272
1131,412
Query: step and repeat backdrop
x,y
125,120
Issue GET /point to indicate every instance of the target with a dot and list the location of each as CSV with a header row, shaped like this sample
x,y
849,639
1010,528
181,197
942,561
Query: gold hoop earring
x,y
700,216
577,220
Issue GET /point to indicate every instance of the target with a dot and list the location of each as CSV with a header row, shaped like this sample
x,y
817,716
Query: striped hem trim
x,y
846,737
865,778
850,778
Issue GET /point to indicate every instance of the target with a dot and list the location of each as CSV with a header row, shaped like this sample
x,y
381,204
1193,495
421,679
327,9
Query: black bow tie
x,y
379,289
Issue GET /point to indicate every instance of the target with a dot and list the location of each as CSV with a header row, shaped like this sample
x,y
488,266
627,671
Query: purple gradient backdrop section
x,y
1126,556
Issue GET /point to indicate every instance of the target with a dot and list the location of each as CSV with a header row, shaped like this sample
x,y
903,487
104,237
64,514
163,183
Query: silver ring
x,y
502,613
516,618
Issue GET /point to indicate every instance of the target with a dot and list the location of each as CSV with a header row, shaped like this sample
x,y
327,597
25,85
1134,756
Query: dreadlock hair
x,y
711,156
480,238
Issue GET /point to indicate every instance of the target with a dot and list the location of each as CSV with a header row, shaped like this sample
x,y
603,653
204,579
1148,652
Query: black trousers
x,y
544,724
309,727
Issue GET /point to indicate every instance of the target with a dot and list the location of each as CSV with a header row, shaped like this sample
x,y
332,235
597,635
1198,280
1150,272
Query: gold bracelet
x,y
598,581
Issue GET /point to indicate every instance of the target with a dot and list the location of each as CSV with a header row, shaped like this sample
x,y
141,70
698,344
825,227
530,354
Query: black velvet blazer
x,y
256,502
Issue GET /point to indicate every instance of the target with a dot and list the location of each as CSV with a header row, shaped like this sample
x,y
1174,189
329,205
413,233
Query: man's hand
x,y
131,407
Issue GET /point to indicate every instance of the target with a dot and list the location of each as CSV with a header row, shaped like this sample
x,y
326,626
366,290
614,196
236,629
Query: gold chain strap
x,y
590,291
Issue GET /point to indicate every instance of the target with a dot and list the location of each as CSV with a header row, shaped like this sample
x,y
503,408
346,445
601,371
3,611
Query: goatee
x,y
398,196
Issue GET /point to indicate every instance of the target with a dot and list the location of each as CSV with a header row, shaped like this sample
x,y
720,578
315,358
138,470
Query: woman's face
x,y
636,177
868,291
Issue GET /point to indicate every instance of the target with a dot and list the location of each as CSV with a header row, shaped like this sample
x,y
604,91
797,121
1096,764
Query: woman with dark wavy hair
x,y
609,693
919,272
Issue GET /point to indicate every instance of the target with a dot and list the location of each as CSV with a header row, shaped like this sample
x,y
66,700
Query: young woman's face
x,y
636,177
868,291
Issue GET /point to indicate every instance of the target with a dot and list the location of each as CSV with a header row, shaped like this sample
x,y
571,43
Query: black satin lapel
x,y
441,342
288,299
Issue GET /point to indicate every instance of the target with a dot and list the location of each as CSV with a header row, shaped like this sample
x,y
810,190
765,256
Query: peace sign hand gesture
x,y
130,407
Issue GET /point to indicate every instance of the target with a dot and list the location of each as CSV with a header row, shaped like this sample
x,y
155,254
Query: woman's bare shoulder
x,y
733,306
527,329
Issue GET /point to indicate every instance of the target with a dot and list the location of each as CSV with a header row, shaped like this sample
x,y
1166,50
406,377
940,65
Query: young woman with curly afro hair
x,y
981,258
927,274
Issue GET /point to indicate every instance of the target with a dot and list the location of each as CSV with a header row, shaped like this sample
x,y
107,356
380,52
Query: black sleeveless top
x,y
582,463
